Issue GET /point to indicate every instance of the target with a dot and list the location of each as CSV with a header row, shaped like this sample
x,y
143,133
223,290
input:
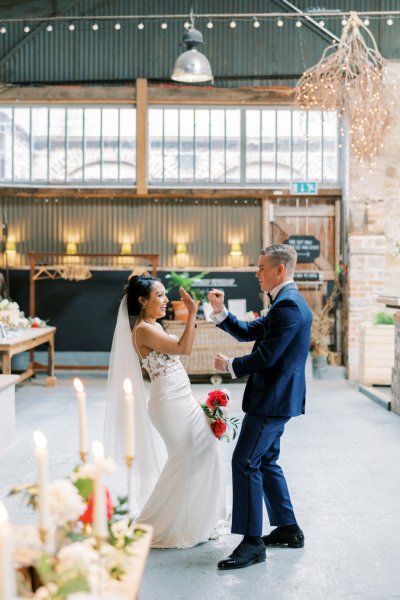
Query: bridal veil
x,y
124,362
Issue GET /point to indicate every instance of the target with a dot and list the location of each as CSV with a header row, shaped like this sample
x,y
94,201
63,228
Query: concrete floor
x,y
342,465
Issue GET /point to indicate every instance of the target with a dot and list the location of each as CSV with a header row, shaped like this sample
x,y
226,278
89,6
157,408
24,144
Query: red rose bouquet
x,y
215,409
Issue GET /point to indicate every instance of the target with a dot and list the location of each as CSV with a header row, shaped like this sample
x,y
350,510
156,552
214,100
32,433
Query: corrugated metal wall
x,y
208,227
241,56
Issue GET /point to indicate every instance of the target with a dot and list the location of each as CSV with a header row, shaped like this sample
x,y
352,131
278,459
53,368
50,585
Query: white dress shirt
x,y
221,316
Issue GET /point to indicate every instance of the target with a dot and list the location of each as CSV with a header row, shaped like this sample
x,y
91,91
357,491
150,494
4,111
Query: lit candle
x,y
43,482
81,397
128,419
7,575
100,510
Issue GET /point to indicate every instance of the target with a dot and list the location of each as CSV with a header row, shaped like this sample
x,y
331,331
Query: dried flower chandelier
x,y
349,78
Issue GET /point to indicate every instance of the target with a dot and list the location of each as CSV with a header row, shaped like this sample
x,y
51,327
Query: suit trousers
x,y
256,475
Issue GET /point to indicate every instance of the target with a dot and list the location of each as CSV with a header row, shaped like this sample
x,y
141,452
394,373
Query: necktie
x,y
271,301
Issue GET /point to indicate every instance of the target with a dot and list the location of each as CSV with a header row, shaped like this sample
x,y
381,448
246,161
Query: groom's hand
x,y
216,299
220,362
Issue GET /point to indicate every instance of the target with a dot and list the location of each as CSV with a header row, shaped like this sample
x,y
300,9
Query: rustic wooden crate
x,y
209,340
376,354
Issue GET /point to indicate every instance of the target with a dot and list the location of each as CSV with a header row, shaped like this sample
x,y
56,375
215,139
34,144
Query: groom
x,y
274,393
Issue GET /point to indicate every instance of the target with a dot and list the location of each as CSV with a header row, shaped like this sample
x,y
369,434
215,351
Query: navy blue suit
x,y
274,393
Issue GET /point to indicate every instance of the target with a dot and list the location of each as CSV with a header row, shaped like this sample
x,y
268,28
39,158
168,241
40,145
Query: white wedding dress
x,y
188,499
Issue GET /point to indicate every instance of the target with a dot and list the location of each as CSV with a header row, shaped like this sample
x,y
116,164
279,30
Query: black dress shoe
x,y
281,537
244,555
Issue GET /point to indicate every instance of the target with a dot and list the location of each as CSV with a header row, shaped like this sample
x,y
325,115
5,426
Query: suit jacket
x,y
276,366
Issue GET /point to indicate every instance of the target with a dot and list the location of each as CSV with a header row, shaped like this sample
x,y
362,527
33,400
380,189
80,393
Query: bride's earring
x,y
143,309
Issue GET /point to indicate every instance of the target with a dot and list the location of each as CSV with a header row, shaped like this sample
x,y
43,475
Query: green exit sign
x,y
304,187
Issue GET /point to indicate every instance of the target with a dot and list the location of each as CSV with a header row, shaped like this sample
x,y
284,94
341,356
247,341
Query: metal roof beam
x,y
309,21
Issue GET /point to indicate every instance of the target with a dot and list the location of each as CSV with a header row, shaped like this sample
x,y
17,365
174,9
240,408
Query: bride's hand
x,y
188,301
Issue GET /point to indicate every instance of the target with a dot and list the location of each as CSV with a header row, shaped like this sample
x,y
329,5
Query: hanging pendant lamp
x,y
192,66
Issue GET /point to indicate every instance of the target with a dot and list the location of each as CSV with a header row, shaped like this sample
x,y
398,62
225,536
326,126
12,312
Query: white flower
x,y
65,503
120,528
23,323
86,471
76,556
4,304
42,593
13,306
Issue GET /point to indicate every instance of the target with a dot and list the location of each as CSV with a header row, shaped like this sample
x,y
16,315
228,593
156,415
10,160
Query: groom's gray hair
x,y
281,254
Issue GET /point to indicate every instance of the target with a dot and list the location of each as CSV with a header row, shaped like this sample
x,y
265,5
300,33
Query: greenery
x,y
177,280
383,318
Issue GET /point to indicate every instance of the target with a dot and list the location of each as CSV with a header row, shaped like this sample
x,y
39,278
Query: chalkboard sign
x,y
306,246
307,276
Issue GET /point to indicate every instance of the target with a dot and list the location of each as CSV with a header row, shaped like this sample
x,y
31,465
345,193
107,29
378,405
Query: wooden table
x,y
24,340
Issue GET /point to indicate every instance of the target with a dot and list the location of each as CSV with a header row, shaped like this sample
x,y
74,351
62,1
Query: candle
x,y
7,575
81,397
43,481
128,419
100,511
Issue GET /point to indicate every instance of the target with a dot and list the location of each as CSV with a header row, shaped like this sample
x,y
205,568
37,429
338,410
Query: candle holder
x,y
83,454
100,539
43,535
129,460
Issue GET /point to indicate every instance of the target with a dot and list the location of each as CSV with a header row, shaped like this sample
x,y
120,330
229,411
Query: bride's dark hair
x,y
138,285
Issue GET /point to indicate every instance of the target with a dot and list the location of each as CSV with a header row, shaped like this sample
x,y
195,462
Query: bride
x,y
184,499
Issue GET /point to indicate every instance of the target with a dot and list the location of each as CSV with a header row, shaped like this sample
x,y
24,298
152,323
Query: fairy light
x,y
321,23
95,27
279,22
210,24
140,25
49,28
298,23
164,25
389,21
366,22
256,23
344,22
71,27
186,25
27,29
232,24
117,26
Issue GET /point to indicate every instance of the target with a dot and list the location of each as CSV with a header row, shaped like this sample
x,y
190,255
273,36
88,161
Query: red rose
x,y
216,398
219,428
87,517
34,325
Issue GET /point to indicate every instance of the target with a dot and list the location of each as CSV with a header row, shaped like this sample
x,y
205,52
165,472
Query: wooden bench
x,y
25,340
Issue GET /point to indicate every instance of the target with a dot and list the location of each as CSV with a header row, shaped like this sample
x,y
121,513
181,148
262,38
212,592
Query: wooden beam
x,y
141,136
187,193
310,211
157,94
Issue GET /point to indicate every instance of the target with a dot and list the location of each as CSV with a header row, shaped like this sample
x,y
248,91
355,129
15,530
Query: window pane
x,y
268,149
171,130
127,144
253,145
232,146
202,145
5,144
92,129
299,145
186,145
314,158
57,144
330,148
22,144
283,145
74,156
217,157
40,144
110,144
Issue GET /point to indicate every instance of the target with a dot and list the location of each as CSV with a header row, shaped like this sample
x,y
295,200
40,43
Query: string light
x,y
321,23
95,27
344,21
390,21
298,23
279,22
366,22
140,25
71,27
49,28
186,25
256,23
232,24
210,24
164,25
27,29
117,26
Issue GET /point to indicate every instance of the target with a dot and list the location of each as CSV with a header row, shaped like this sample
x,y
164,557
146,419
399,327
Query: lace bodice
x,y
158,364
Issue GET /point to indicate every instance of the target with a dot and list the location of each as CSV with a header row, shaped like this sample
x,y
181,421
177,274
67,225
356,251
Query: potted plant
x,y
321,330
177,280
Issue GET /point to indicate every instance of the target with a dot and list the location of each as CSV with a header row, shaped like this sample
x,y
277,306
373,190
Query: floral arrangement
x,y
12,318
215,409
77,563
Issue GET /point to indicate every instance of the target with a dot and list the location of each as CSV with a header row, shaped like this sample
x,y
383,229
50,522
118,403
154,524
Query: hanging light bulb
x,y
117,26
279,22
210,24
140,25
389,21
366,22
344,21
95,27
192,66
49,28
321,23
298,23
256,23
186,25
27,29
232,24
71,27
164,25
